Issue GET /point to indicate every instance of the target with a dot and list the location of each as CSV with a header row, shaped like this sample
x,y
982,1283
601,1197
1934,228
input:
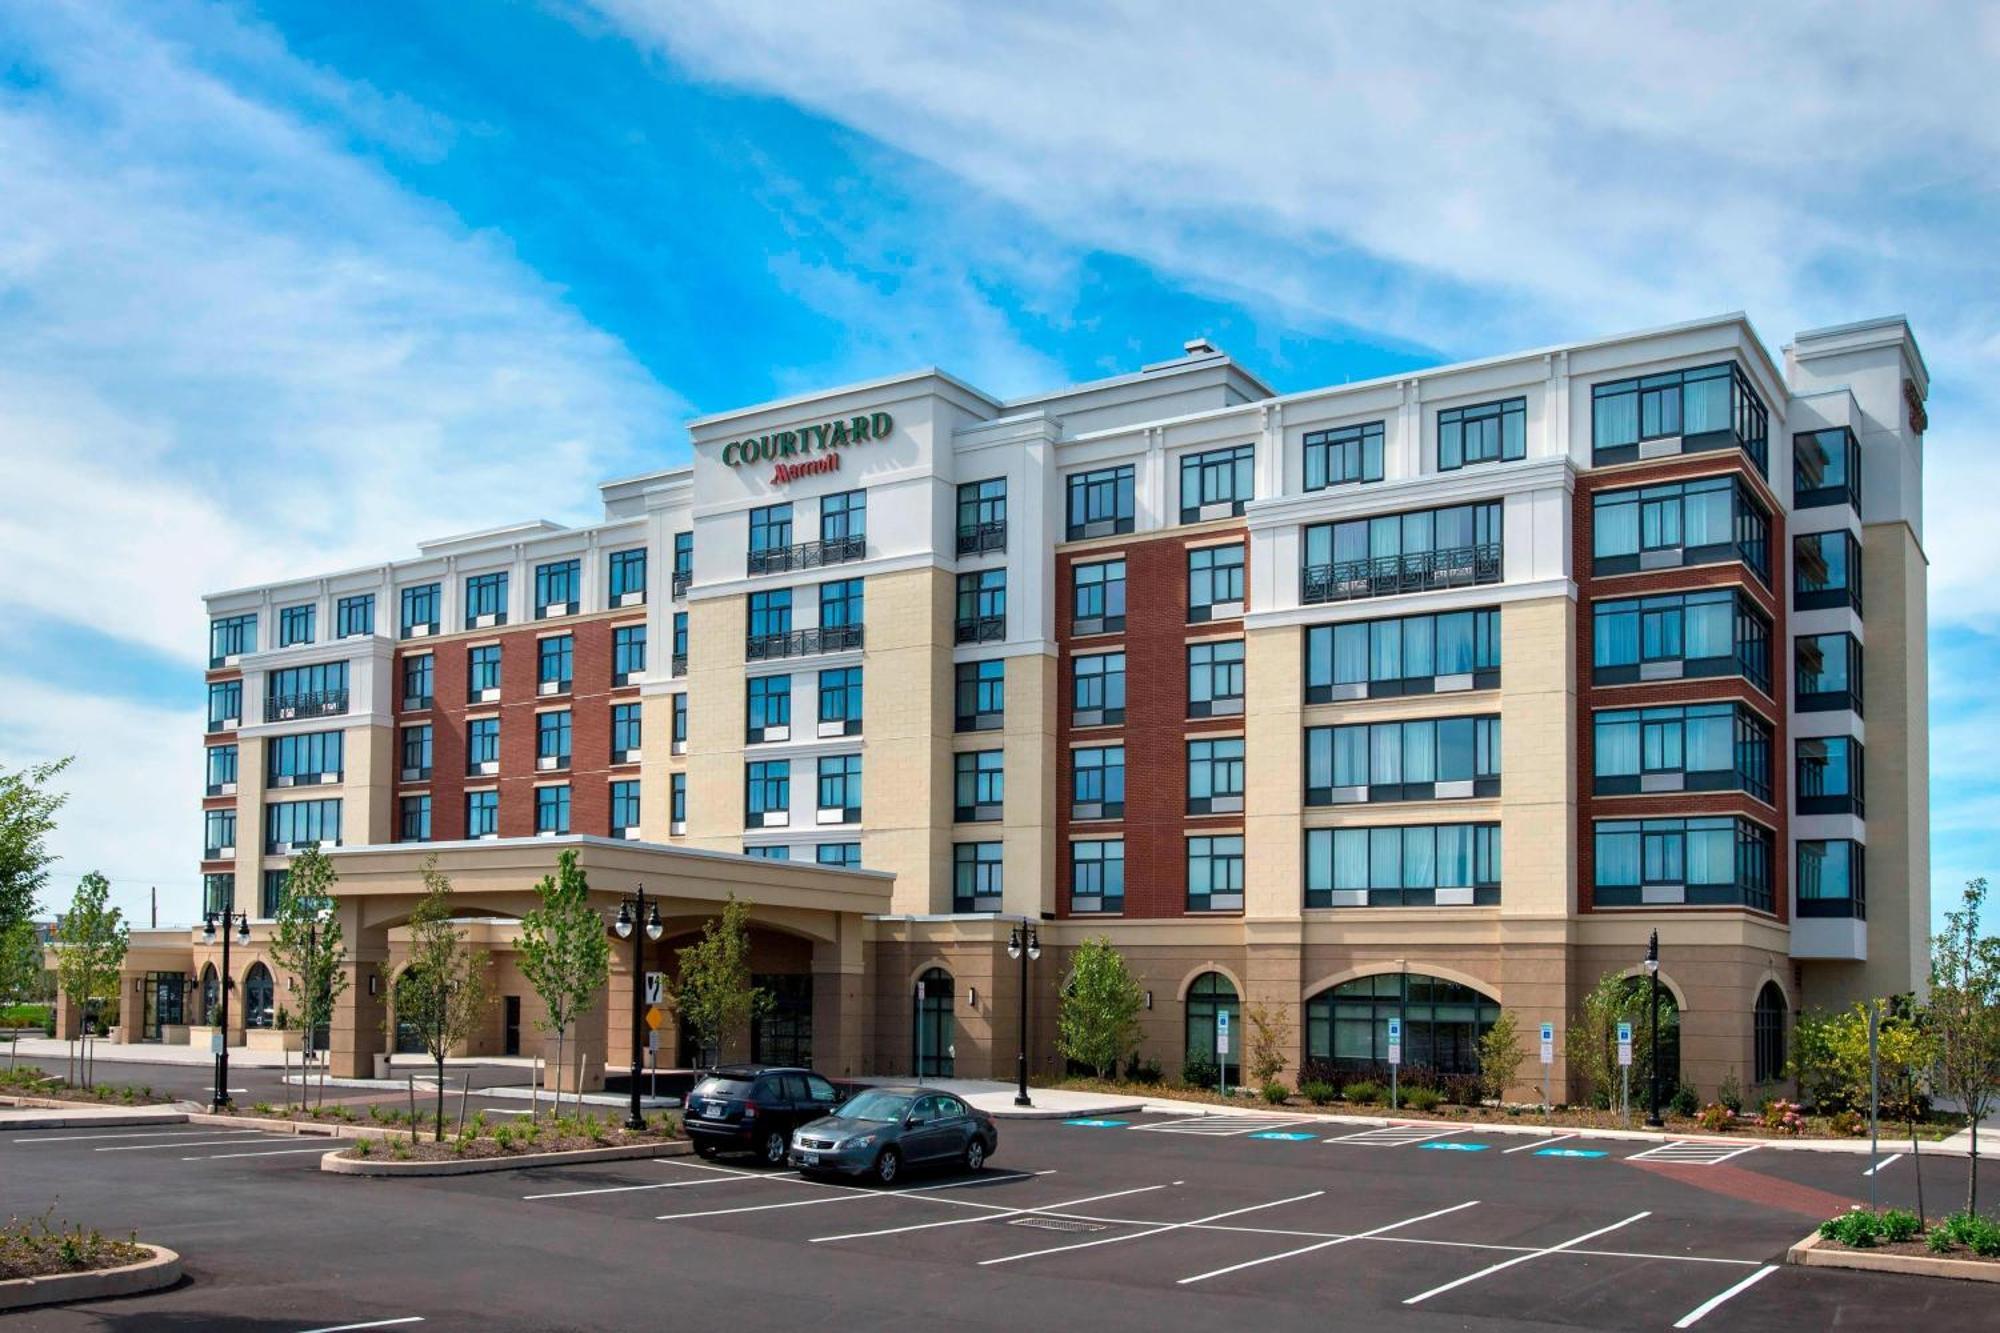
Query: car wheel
x,y
703,1149
774,1148
975,1154
888,1166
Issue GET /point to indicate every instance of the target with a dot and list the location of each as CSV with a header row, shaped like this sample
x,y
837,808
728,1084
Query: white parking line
x,y
193,1143
847,1194
323,1149
139,1134
1538,1143
1222,1126
1156,1231
1693,1152
1394,1136
987,1217
1523,1258
1325,1244
373,1323
662,1185
1687,1320
1883,1165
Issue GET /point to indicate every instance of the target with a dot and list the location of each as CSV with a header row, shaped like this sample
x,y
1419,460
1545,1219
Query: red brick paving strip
x,y
1753,1187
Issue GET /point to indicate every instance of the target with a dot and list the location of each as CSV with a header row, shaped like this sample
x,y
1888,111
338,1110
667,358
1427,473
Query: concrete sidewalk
x,y
41,1050
94,1117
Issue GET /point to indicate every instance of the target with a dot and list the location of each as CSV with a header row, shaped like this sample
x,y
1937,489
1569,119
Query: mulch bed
x,y
474,1149
28,1251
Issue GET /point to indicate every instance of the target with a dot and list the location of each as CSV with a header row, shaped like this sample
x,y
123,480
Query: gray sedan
x,y
882,1130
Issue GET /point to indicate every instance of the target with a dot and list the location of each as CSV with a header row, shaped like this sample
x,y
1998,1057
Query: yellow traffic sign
x,y
654,1018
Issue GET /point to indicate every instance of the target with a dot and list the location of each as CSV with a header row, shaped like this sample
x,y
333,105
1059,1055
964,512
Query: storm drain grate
x,y
1065,1224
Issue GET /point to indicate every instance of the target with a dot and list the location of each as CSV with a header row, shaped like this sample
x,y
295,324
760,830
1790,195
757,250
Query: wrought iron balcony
x,y
801,642
807,555
317,703
1384,576
976,538
981,629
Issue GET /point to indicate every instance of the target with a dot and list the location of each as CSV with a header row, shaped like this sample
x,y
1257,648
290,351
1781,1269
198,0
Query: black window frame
x,y
1748,426
1204,567
1101,805
1206,758
1101,502
1810,558
1813,757
977,680
978,775
1502,412
1103,589
1105,669
1357,449
1810,488
1232,469
1806,700
1210,661
1749,528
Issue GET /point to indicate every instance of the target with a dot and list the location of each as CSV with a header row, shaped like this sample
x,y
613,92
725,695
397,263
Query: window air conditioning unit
x,y
678,828
776,818
485,621
420,631
629,599
487,767
629,834
489,695
560,609
783,733
547,763
550,687
283,780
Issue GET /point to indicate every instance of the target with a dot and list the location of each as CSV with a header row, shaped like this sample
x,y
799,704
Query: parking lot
x,y
1143,1221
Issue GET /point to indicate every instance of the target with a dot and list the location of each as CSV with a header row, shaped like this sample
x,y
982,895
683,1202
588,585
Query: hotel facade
x,y
1425,696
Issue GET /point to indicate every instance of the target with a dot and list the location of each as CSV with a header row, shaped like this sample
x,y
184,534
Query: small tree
x,y
1099,1018
27,816
1593,1035
1500,1055
1267,1044
565,956
443,993
1964,1014
91,939
310,944
713,991
20,969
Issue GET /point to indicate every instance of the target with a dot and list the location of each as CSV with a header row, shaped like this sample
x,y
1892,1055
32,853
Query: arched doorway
x,y
936,1040
1348,1025
211,996
409,1034
260,998
1210,995
1772,1017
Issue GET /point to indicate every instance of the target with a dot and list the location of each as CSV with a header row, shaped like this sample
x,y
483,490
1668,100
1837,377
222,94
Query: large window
x,y
218,895
1348,1026
1826,469
1683,747
770,709
218,834
1826,571
1418,865
843,518
840,702
1482,433
775,852
1338,457
413,819
482,745
423,610
628,650
1097,875
1831,883
289,824
770,614
840,605
1708,407
295,624
1097,782
1827,673
677,802
1097,601
979,786
627,728
840,789
557,587
555,663
982,516
683,562
482,672
1101,502
1212,994
678,665
1830,776
770,530
551,811
841,855
1217,484
1680,523
1370,659
982,606
1397,553
417,752
417,680
1215,874
679,738
482,814
1773,1017
975,876
225,705
767,793
1215,776
354,615
231,636
1097,688
1215,582
1215,678
627,571
1428,759
260,995
307,691
980,691
552,739
1669,862
221,770
486,599
625,809
1719,632
302,760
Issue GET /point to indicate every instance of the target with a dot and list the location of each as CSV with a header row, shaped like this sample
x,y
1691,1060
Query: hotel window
x,y
1397,553
982,516
980,695
771,614
1215,874
289,824
770,709
628,649
627,570
678,663
1344,456
1826,571
840,702
1417,865
1215,776
1827,673
552,732
1097,687
422,610
1097,875
416,753
482,744
1673,862
626,727
1483,433
1446,758
482,814
1347,1026
677,802
273,893
1830,775
482,673
304,760
221,769
839,789
1682,523
308,691
417,680
777,853
1714,633
975,877
979,786
1215,582
295,624
840,605
1097,604
1372,659
1691,747
767,793
555,663
683,562
225,705
218,893
843,517
486,599
982,606
770,529
1709,407
414,824
1826,469
354,615
1217,484
1215,678
1100,502
624,809
551,811
1097,782
841,855
1831,878
231,636
556,588
218,837
679,738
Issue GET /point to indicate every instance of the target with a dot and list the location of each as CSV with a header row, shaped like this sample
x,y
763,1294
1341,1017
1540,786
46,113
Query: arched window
x,y
1772,1013
935,1025
211,995
1442,1022
1212,994
260,1008
409,1032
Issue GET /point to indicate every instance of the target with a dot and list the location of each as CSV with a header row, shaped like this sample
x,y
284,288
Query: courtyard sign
x,y
819,437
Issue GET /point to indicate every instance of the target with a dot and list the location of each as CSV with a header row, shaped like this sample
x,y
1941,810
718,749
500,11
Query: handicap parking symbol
x,y
1285,1136
1095,1124
1568,1152
1453,1147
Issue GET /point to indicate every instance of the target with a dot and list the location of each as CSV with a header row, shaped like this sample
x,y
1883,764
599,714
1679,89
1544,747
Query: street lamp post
x,y
1653,1120
1025,945
220,1101
630,913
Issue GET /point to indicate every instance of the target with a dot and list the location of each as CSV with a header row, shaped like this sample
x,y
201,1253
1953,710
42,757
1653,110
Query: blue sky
x,y
286,289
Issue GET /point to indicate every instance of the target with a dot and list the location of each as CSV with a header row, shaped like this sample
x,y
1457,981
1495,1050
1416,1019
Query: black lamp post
x,y
1024,944
1653,1120
630,913
220,1102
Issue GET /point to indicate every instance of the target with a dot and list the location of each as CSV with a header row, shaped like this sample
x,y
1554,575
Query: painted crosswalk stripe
x,y
1883,1165
1394,1136
1558,1138
1694,1152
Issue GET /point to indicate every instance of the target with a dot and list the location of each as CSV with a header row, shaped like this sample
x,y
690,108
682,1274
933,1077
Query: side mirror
x,y
914,1122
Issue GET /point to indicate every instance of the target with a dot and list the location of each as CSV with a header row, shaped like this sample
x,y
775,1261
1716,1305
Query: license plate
x,y
716,1109
809,1159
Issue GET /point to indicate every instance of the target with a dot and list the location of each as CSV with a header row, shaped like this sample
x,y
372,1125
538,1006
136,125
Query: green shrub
x,y
1363,1093
1275,1093
1899,1226
1200,1072
362,1147
1716,1117
261,1108
1319,1092
1423,1099
1979,1234
1858,1230
1848,1124
1686,1101
1730,1094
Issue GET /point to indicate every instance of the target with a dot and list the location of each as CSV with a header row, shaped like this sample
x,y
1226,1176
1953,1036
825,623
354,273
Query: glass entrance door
x,y
165,994
935,1039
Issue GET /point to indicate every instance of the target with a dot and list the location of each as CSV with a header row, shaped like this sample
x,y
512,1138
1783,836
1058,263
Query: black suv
x,y
755,1108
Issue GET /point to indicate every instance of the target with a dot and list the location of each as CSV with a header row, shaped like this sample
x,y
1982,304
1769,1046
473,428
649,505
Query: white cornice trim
x,y
1429,491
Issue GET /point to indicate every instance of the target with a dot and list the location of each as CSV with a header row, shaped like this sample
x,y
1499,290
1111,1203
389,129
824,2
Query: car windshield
x,y
723,1087
883,1107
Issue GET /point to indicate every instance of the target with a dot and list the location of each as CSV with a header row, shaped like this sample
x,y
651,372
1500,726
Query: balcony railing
x,y
318,703
682,577
976,538
1384,576
801,642
807,555
981,629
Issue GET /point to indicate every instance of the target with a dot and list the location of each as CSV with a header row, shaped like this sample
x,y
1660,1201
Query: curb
x,y
357,1166
157,1113
1037,1113
1810,1253
162,1270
